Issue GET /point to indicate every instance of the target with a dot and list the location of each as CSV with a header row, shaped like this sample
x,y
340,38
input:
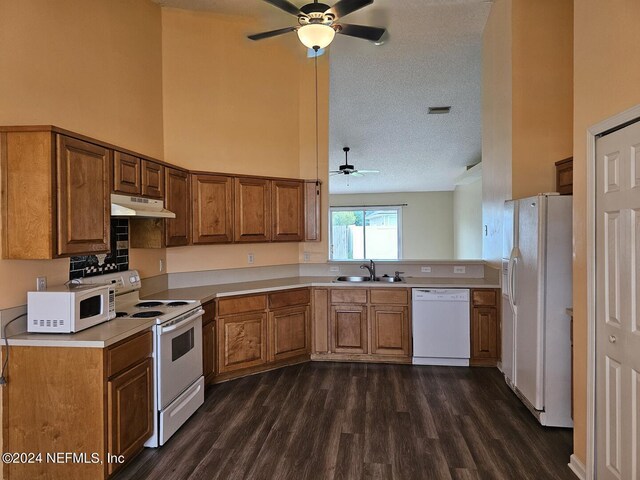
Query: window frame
x,y
364,209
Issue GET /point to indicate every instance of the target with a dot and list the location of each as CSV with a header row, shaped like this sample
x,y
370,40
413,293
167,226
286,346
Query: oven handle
x,y
185,321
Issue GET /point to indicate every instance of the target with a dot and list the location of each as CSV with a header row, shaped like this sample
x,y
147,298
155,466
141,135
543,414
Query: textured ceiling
x,y
380,94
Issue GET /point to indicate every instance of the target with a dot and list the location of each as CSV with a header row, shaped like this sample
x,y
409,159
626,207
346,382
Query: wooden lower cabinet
x,y
390,330
485,327
209,351
242,341
130,412
289,332
349,329
95,400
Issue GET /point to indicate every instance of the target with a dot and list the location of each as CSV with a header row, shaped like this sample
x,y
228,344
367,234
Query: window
x,y
359,233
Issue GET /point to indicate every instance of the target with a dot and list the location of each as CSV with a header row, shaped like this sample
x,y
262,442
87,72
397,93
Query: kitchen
x,y
120,75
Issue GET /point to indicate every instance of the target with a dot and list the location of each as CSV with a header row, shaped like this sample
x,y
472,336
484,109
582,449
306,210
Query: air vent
x,y
439,110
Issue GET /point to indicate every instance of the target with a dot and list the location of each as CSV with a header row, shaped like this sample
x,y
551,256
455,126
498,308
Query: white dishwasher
x,y
441,327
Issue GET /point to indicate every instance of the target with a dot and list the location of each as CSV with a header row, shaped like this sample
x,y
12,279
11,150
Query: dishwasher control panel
x,y
448,295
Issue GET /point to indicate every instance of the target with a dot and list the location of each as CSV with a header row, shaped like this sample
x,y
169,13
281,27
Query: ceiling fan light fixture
x,y
316,35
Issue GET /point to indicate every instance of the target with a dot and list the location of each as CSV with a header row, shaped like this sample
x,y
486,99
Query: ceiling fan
x,y
317,25
347,169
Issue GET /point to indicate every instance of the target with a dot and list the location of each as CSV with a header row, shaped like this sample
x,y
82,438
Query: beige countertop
x,y
210,292
118,329
99,336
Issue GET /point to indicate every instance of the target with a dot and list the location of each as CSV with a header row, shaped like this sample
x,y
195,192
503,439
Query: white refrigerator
x,y
537,290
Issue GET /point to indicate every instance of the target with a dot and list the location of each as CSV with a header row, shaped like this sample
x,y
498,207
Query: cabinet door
x,y
312,216
288,332
84,197
320,321
242,341
252,210
177,231
130,411
484,334
349,329
208,351
212,209
126,174
287,200
390,331
152,179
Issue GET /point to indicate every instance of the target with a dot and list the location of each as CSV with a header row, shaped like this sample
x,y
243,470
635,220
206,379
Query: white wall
x,y
467,220
427,220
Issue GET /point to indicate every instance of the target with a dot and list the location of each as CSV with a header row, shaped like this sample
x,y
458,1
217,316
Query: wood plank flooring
x,y
361,421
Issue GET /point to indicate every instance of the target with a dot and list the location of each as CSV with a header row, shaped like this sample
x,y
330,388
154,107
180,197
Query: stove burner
x,y
121,314
148,304
177,304
149,314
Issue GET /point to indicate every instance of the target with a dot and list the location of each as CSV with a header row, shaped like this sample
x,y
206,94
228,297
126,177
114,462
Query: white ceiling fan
x,y
347,169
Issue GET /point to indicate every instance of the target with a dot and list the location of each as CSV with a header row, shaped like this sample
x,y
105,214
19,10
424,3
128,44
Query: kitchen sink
x,y
353,279
389,279
368,279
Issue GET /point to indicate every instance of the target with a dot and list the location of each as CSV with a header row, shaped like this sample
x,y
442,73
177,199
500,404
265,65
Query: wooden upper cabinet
x,y
212,208
177,230
312,215
287,201
152,179
252,210
564,176
84,196
126,174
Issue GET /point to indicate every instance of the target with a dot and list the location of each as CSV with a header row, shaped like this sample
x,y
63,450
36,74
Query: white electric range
x,y
177,350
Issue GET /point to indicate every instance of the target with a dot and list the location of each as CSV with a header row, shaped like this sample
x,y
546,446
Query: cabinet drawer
x,y
128,353
398,296
484,298
349,295
290,298
209,312
233,305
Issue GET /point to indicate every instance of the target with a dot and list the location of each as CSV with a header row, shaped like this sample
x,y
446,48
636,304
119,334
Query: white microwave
x,y
69,308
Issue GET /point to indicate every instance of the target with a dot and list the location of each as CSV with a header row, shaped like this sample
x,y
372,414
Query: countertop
x,y
210,292
118,329
99,336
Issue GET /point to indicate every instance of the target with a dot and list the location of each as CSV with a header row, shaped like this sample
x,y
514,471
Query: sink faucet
x,y
372,269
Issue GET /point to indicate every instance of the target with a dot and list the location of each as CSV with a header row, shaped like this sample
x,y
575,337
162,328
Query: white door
x,y
617,304
526,296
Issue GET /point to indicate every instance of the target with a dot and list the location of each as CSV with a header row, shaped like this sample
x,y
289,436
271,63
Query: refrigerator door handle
x,y
510,281
512,286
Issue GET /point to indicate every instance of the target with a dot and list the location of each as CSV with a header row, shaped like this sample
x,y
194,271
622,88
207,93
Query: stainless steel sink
x,y
389,279
353,279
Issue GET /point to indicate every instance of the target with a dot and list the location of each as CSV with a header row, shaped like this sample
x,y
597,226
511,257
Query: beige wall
x,y
93,67
427,220
232,105
607,75
542,56
496,126
467,221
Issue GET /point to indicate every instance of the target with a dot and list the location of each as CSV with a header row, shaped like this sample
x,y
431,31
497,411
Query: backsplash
x,y
114,261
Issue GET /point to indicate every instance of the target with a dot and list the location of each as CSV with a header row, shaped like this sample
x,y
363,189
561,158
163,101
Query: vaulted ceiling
x,y
380,95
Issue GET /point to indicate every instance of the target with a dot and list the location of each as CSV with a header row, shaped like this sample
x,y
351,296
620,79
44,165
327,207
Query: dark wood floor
x,y
352,421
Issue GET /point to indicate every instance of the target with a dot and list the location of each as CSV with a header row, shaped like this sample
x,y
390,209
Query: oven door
x,y
179,355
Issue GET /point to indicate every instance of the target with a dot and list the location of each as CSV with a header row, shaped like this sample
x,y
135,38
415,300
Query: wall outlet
x,y
161,265
425,269
334,269
459,269
41,284
307,256
250,258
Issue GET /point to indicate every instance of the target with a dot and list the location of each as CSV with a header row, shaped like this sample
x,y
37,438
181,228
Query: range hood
x,y
125,206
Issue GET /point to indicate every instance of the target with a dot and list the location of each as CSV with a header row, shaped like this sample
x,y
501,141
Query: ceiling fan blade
x,y
333,174
345,7
272,33
368,171
361,31
356,174
286,6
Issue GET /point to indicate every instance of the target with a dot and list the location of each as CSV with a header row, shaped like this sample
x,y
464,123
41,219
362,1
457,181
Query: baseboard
x,y
578,468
